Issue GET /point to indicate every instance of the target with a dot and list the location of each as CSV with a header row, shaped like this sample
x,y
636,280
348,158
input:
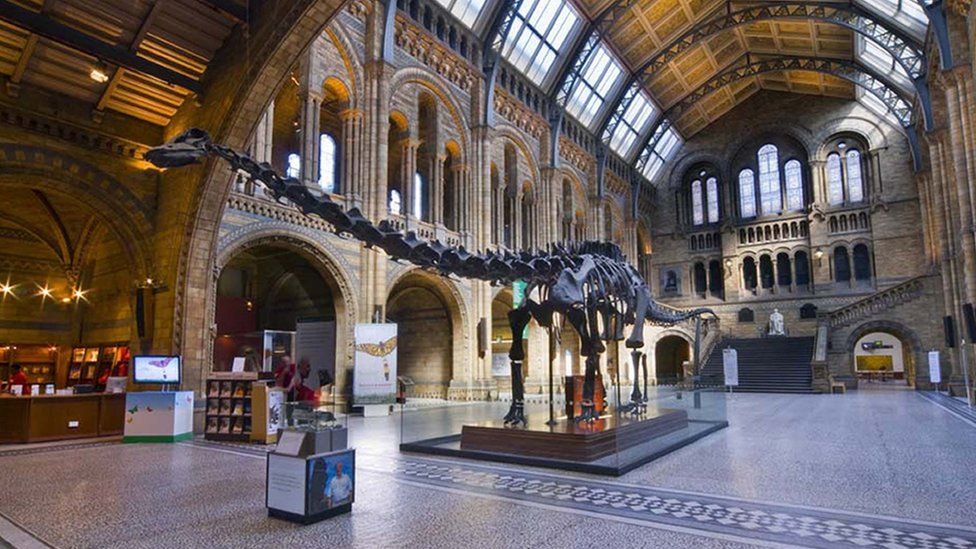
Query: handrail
x,y
876,302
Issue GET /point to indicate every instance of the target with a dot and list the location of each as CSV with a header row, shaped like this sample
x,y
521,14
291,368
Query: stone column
x,y
408,168
436,190
352,127
817,182
311,129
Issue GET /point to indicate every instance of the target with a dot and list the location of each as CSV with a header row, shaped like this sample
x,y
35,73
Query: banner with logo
x,y
375,370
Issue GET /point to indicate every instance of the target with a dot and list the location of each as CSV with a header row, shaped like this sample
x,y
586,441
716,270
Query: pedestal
x,y
158,416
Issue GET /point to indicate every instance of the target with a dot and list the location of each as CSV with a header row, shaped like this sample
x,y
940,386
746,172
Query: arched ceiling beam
x,y
495,36
935,11
857,74
904,49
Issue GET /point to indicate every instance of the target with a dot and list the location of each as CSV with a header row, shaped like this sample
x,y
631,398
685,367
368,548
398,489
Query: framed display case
x,y
87,364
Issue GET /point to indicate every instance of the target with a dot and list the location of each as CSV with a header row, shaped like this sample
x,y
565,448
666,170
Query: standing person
x,y
18,377
339,488
304,393
286,376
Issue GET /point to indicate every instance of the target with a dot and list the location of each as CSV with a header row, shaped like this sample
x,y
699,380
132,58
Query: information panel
x,y
374,377
730,363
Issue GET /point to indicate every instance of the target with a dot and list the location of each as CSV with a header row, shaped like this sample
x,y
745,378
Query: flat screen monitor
x,y
156,369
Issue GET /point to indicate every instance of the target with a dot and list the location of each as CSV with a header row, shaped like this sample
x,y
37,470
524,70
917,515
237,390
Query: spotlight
x,y
99,73
65,300
44,292
818,254
78,293
6,289
149,281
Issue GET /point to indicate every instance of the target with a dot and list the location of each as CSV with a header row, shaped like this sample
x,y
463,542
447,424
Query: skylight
x,y
873,56
908,14
467,11
539,30
600,75
665,143
634,122
874,104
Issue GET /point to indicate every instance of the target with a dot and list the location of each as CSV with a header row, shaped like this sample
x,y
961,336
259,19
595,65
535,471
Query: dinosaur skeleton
x,y
589,284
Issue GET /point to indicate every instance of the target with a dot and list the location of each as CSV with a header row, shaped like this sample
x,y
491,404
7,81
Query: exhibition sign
x,y
375,370
315,341
935,370
158,416
730,364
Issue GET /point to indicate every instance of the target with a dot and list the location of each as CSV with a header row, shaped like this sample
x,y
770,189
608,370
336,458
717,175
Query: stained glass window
x,y
769,191
697,214
794,185
327,163
747,193
855,184
294,166
711,192
835,185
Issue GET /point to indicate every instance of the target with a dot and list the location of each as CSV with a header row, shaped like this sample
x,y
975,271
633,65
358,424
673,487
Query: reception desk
x,y
58,417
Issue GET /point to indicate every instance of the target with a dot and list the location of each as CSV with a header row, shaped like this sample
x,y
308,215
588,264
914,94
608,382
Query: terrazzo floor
x,y
882,468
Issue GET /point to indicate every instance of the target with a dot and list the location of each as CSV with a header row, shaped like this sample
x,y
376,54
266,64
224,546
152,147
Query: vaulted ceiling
x,y
152,53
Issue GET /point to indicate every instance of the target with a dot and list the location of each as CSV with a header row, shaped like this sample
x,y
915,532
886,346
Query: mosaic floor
x,y
867,469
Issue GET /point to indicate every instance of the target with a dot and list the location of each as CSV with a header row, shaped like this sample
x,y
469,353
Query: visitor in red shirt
x,y
303,392
286,376
18,377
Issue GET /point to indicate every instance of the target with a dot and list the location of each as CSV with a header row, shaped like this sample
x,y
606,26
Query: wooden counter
x,y
58,417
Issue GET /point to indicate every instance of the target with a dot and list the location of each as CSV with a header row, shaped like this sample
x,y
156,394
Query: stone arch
x,y
515,137
334,270
231,117
436,86
804,136
339,38
711,157
664,342
908,337
869,132
130,221
454,302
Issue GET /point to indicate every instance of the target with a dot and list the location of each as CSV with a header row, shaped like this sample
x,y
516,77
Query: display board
x,y
158,416
156,369
935,370
374,376
315,341
730,366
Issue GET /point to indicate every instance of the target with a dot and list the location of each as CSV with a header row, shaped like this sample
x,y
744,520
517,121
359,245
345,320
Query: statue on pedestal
x,y
776,327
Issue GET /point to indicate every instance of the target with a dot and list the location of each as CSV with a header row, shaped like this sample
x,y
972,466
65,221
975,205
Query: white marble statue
x,y
776,327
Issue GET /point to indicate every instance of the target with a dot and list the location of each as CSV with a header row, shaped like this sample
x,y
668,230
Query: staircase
x,y
766,365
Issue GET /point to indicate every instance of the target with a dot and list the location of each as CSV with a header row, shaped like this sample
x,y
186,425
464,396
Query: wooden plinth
x,y
568,440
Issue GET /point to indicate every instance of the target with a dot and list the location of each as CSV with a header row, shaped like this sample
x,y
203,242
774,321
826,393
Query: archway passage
x,y
272,301
883,356
670,354
424,316
501,334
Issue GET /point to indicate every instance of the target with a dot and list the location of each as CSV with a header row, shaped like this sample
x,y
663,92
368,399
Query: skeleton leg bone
x,y
518,319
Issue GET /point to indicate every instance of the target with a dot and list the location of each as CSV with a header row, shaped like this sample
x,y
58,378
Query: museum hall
x,y
499,273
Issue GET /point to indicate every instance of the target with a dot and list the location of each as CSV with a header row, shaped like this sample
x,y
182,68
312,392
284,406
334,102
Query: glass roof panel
x,y
907,14
663,149
600,75
639,114
874,104
875,57
467,11
540,29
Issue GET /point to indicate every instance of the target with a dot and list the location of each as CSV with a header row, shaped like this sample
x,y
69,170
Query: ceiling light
x,y
65,300
149,281
78,293
45,292
99,73
6,289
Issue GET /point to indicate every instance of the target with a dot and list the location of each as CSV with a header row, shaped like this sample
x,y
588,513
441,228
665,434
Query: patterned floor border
x,y
952,405
44,448
709,515
702,514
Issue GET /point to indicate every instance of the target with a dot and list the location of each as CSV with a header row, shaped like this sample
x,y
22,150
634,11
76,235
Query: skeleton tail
x,y
660,314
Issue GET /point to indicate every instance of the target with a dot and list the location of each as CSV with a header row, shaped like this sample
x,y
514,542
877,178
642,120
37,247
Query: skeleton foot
x,y
588,413
634,407
516,415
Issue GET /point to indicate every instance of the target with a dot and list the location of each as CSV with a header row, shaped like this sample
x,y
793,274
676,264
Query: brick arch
x,y
339,38
241,89
322,257
512,134
866,130
128,218
804,136
458,309
706,156
436,86
907,336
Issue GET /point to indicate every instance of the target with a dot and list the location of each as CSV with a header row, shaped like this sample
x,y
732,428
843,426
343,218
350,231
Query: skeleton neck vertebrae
x,y
589,284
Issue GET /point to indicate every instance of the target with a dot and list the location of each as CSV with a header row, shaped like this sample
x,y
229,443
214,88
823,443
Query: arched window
x,y
769,191
835,186
396,202
747,193
327,164
418,195
700,279
697,212
862,263
294,166
711,191
749,277
802,265
766,275
794,185
855,185
784,272
842,265
716,276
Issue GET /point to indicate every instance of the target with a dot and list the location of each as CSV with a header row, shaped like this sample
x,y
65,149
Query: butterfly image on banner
x,y
378,349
